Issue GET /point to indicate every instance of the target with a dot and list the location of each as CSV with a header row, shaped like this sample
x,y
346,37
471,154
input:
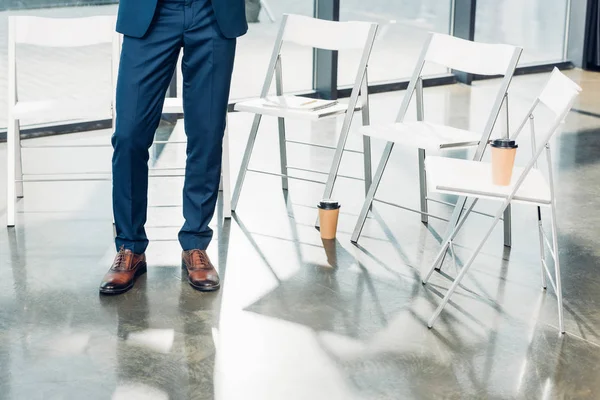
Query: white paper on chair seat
x,y
298,103
474,179
257,106
423,135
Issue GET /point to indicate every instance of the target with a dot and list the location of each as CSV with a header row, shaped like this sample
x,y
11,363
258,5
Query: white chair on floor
x,y
472,179
459,55
70,32
174,105
321,34
51,32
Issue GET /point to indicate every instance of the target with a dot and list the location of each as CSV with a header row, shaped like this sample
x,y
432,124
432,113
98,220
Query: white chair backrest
x,y
559,93
328,35
62,32
471,57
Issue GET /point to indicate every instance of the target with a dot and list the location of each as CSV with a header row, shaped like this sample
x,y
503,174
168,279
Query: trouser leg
x,y
145,71
207,67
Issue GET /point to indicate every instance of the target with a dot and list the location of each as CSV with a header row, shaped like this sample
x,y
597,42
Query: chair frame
x,y
14,159
543,238
415,87
359,90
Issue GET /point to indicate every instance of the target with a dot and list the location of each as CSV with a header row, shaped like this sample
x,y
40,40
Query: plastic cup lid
x,y
504,143
328,204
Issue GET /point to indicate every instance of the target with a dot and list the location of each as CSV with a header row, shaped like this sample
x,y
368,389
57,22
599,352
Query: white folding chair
x,y
473,179
51,32
174,105
456,54
328,35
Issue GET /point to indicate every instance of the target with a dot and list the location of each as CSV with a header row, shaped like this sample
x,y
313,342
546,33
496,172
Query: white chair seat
x,y
423,135
63,109
257,106
173,105
474,179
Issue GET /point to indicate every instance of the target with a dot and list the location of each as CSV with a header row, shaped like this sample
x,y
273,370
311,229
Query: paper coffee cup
x,y
329,211
503,160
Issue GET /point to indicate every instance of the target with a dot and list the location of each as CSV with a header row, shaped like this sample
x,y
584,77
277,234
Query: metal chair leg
x,y
371,194
11,196
267,10
283,153
367,163
561,325
226,175
423,186
458,209
447,242
465,268
245,162
366,121
19,160
508,226
542,248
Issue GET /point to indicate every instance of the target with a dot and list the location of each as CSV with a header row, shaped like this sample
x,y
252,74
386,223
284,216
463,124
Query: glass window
x,y
403,28
46,73
536,25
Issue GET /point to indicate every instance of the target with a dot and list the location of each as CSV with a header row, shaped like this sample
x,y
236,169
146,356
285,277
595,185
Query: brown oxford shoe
x,y
202,275
122,274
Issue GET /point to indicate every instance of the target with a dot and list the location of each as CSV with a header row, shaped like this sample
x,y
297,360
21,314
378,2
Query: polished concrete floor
x,y
298,317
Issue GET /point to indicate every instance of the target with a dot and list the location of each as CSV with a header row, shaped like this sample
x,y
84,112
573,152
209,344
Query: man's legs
x,y
146,68
207,67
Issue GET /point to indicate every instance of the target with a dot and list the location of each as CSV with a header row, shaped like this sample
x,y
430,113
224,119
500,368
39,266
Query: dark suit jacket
x,y
135,16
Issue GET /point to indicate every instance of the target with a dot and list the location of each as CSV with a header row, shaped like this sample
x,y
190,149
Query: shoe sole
x,y
141,271
199,288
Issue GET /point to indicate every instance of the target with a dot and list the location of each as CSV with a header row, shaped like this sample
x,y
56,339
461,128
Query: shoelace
x,y
120,260
199,258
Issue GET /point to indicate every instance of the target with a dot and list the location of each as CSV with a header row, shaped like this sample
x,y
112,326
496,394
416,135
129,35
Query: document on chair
x,y
298,103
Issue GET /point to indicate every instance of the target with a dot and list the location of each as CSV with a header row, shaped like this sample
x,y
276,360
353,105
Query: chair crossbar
x,y
350,177
324,146
549,275
66,146
284,176
93,179
548,244
410,209
63,146
303,179
96,172
308,170
446,203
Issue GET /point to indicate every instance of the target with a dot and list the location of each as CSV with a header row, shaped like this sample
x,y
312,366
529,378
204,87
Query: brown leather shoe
x,y
122,274
202,275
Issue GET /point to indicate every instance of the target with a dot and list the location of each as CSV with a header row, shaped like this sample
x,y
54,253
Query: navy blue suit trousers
x,y
147,65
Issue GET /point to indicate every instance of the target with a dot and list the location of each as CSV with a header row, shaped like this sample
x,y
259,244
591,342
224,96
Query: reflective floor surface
x,y
298,317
